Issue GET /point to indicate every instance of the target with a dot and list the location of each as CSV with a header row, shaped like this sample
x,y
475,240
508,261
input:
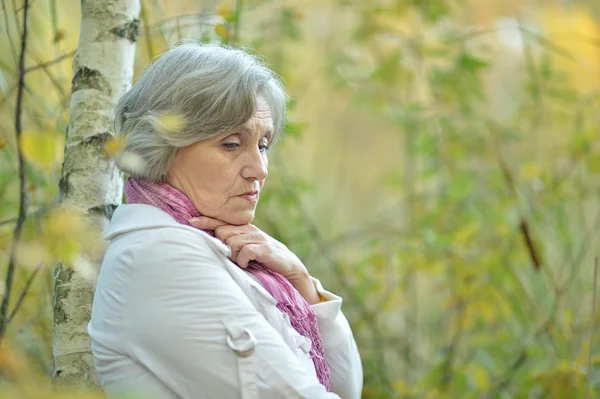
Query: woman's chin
x,y
239,218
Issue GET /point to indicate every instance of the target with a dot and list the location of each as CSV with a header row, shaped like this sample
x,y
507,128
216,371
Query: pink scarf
x,y
302,317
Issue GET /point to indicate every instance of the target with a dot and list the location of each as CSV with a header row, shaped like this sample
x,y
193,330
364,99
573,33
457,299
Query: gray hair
x,y
212,87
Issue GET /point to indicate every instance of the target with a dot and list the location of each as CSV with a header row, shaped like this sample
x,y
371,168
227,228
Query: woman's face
x,y
223,175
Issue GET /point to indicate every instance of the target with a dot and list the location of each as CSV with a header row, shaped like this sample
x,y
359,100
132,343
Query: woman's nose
x,y
256,166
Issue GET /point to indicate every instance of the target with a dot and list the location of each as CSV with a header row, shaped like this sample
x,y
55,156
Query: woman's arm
x,y
248,242
341,352
184,308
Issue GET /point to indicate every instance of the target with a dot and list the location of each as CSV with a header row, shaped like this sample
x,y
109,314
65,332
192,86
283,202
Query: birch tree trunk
x,y
91,184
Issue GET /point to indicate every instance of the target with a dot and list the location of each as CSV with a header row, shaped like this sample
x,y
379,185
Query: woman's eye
x,y
263,147
231,146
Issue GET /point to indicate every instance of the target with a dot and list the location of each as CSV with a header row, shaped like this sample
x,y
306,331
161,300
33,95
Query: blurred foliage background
x,y
440,171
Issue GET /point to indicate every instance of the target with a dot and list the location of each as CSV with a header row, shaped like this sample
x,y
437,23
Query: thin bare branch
x,y
34,213
7,28
55,82
147,33
523,225
50,63
8,94
589,376
12,263
24,292
519,361
23,6
16,10
237,16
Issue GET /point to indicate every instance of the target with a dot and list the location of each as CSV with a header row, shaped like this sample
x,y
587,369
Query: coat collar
x,y
133,217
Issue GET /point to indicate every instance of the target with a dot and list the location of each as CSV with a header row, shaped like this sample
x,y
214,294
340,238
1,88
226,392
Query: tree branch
x,y
589,365
7,28
50,63
24,292
147,33
16,10
33,213
532,249
12,263
236,22
55,82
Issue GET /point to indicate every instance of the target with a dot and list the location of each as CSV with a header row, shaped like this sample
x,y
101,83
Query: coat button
x,y
245,347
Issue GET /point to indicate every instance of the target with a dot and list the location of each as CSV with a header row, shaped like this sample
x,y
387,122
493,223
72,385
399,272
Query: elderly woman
x,y
193,301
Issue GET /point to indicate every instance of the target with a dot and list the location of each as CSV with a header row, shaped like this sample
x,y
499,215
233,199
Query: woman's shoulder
x,y
153,229
144,235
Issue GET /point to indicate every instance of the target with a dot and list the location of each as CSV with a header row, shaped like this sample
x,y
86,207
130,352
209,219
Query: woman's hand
x,y
248,242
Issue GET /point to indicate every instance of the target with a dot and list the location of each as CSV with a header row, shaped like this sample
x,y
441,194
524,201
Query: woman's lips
x,y
251,196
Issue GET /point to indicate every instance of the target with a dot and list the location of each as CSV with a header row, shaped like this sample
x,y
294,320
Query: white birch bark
x,y
91,184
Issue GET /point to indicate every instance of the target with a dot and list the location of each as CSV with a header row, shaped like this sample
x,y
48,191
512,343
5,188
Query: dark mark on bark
x,y
86,78
98,140
63,277
128,30
64,186
106,210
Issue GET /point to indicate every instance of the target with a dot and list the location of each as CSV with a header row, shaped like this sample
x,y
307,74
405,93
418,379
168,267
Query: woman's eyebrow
x,y
246,130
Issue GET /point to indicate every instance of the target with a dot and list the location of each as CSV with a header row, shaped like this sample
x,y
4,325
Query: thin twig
x,y
147,33
24,292
7,95
50,63
12,263
16,11
21,8
236,21
7,28
589,376
197,17
34,213
518,362
54,81
452,348
523,225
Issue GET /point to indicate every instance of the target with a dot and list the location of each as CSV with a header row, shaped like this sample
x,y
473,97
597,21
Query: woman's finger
x,y
206,223
224,232
249,253
236,242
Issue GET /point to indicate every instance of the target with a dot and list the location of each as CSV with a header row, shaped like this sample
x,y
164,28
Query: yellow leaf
x,y
169,123
486,311
433,394
2,142
299,14
131,162
466,233
10,364
222,31
85,268
45,149
31,254
63,223
479,376
60,35
568,28
379,263
225,10
403,388
114,146
530,171
64,233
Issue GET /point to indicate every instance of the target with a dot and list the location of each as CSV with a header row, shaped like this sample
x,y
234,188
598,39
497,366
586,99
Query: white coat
x,y
174,318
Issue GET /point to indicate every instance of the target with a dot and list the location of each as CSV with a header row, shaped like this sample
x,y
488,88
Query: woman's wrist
x,y
300,280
